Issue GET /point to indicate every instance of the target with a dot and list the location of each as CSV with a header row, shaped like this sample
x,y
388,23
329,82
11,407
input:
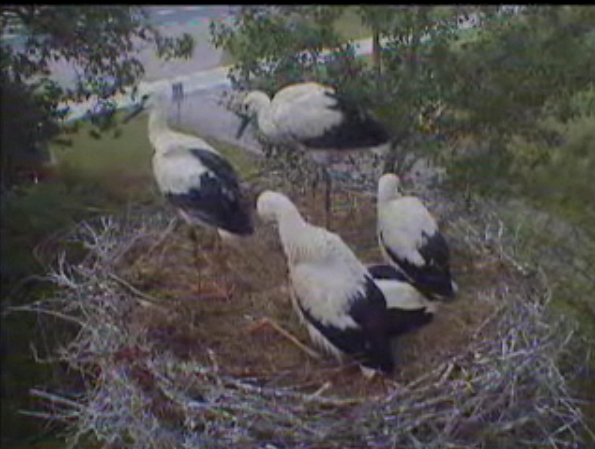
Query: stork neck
x,y
290,224
157,122
261,103
297,244
384,196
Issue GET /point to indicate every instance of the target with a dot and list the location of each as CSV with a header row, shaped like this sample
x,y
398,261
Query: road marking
x,y
165,12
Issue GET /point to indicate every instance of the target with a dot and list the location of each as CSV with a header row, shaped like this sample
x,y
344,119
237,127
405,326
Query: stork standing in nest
x,y
410,241
316,120
195,177
332,292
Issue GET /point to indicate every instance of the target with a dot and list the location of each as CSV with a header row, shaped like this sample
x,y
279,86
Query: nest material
x,y
171,366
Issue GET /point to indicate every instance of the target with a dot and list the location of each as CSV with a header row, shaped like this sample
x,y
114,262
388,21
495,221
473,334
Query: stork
x,y
407,307
316,120
410,241
332,292
195,177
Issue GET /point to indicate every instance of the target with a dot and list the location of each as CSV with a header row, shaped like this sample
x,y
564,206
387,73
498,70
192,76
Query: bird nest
x,y
173,357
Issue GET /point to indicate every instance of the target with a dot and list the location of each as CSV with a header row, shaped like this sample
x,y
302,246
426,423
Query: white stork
x,y
316,120
194,177
332,292
410,240
408,308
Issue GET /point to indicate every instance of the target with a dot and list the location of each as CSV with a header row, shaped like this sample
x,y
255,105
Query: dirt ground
x,y
212,307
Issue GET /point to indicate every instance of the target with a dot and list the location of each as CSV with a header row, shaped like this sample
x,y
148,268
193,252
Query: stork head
x,y
147,101
388,187
250,107
272,205
254,102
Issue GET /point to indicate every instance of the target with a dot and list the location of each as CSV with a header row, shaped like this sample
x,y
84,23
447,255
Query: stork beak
x,y
245,121
137,109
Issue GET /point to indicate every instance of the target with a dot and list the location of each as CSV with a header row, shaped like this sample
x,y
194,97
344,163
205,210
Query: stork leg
x,y
314,185
267,321
195,248
328,182
216,256
222,257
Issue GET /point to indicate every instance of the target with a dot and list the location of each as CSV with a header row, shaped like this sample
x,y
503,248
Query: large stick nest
x,y
168,364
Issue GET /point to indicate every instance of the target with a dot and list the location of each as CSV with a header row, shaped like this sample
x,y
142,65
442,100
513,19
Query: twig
x,y
46,312
170,227
150,301
56,399
287,335
321,390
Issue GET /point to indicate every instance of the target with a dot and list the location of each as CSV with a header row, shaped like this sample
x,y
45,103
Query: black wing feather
x,y
433,279
358,129
217,198
404,321
401,321
386,272
370,342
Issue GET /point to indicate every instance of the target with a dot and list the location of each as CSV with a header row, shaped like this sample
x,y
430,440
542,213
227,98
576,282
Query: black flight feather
x,y
433,279
369,343
217,198
358,129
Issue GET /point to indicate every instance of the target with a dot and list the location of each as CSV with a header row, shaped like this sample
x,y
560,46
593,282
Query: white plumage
x,y
333,293
316,120
195,178
410,240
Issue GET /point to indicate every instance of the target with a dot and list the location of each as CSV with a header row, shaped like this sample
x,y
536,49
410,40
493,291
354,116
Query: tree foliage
x,y
274,47
277,45
101,43
521,65
518,71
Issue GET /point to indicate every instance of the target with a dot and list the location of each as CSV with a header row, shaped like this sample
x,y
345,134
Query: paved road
x,y
171,21
203,113
175,15
175,20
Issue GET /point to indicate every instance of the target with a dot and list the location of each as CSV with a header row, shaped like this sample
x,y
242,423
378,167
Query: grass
x,y
119,165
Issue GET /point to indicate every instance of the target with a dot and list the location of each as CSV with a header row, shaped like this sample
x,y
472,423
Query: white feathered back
x,y
402,295
402,220
325,273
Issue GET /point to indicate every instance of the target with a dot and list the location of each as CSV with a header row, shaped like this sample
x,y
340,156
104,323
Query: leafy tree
x,y
519,70
521,65
100,42
416,43
274,47
277,45
281,45
379,19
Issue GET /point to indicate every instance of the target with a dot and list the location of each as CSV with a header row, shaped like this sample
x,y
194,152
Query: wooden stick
x,y
286,334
